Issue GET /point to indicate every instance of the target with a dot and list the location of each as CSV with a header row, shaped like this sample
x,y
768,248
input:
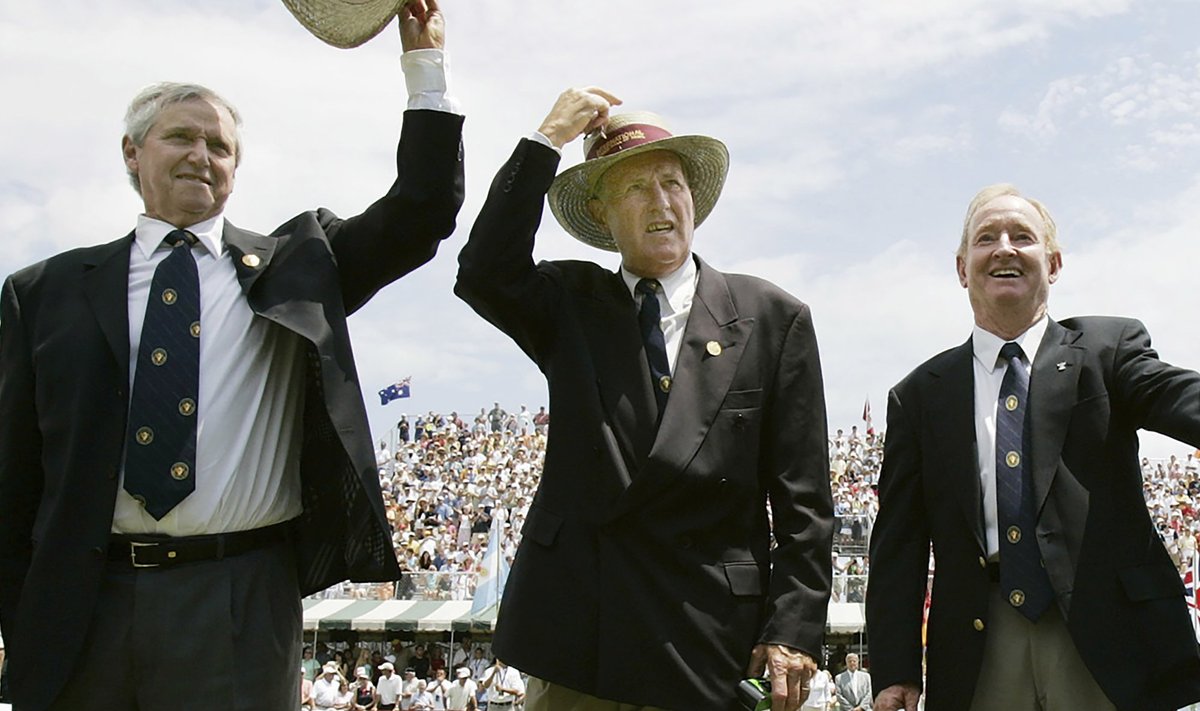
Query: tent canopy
x,y
395,616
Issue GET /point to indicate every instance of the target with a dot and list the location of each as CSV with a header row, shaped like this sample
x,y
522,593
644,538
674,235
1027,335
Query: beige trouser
x,y
1032,666
543,696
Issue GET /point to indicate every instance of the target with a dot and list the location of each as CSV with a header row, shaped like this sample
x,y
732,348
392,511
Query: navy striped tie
x,y
1023,577
650,320
160,449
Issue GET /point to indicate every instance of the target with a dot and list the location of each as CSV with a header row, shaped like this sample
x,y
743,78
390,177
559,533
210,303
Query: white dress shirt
x,y
251,398
989,375
674,303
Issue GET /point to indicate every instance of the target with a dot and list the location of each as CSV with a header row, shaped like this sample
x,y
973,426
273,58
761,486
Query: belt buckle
x,y
133,549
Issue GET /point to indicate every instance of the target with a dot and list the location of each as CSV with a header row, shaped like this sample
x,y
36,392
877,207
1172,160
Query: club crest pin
x,y
251,260
713,348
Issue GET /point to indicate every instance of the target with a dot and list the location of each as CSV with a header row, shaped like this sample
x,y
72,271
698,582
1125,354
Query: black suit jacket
x,y
64,392
1094,383
646,572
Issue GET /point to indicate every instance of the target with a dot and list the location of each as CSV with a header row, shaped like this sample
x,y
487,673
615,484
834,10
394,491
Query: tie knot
x,y
648,287
175,238
1011,350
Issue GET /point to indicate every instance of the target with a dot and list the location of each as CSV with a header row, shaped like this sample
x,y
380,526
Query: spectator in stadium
x,y
365,696
652,493
306,691
853,687
1016,456
503,685
232,438
822,693
438,686
390,687
408,690
311,665
326,691
461,696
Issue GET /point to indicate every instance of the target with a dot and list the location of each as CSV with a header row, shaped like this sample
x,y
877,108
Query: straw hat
x,y
344,23
705,160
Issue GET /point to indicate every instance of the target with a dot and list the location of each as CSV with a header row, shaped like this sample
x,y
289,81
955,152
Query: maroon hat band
x,y
628,136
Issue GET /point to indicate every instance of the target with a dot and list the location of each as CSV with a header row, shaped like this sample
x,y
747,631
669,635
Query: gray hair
x,y
150,102
992,192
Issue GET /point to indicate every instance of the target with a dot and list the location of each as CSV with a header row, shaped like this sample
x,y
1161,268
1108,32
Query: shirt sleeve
x,y
427,76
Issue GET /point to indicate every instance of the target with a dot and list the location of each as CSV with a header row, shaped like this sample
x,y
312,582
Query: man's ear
x,y
129,152
595,208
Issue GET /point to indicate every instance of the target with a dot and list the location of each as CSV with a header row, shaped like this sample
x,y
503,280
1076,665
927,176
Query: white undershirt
x,y
251,397
674,302
989,375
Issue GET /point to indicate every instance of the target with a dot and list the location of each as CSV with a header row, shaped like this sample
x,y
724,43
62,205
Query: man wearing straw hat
x,y
685,399
170,486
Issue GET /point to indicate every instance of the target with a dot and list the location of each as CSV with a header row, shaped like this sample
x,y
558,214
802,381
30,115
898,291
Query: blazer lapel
x,y
106,283
700,382
250,252
952,393
1052,394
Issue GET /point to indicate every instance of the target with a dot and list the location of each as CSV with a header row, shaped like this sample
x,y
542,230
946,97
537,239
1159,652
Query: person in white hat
x,y
685,399
327,689
390,686
461,694
182,421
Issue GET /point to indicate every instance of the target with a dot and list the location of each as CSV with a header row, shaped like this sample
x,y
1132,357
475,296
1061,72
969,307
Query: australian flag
x,y
394,391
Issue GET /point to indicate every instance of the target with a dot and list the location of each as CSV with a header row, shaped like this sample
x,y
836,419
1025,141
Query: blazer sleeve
x,y
20,458
496,272
899,551
401,231
1155,395
795,466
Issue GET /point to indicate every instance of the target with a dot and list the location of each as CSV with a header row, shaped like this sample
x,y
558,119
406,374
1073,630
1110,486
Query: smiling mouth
x,y
659,227
1005,273
193,178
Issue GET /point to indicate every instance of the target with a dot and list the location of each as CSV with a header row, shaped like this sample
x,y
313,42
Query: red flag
x,y
867,415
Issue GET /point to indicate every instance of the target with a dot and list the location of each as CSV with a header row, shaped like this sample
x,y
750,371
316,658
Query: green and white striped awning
x,y
395,616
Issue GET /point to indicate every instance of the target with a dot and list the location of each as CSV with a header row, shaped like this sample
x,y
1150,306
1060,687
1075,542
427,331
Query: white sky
x,y
858,133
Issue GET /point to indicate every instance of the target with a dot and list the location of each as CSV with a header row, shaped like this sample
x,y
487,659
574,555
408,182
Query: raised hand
x,y
576,112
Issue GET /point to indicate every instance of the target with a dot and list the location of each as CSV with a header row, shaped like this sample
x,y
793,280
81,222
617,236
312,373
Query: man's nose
x,y
198,154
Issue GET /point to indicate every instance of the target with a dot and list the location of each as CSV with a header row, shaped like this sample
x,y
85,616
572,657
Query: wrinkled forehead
x,y
641,166
1007,211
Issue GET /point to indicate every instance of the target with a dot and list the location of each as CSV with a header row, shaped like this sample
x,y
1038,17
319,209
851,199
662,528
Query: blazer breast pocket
x,y
742,399
542,526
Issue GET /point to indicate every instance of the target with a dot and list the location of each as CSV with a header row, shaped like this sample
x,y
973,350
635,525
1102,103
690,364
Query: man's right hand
x,y
897,697
577,112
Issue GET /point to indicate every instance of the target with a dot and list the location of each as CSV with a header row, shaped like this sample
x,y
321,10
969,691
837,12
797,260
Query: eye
x,y
985,238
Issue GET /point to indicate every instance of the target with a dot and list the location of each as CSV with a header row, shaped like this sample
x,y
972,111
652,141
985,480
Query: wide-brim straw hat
x,y
344,23
704,159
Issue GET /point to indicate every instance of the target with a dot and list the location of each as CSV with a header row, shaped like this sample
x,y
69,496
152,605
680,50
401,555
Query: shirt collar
x,y
679,286
149,234
987,345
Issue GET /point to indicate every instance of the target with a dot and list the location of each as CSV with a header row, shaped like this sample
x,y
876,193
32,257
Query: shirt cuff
x,y
539,137
427,76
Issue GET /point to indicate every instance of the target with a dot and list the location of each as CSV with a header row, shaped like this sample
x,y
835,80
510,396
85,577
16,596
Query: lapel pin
x,y
1062,365
251,260
713,348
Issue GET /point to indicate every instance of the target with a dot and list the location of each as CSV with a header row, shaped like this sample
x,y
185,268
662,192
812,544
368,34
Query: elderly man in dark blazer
x,y
167,586
1016,456
684,400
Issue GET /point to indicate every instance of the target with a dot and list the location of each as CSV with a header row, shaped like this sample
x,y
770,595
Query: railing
x,y
850,534
429,585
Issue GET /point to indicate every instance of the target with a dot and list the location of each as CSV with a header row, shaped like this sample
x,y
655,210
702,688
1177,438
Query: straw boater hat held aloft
x,y
344,23
705,162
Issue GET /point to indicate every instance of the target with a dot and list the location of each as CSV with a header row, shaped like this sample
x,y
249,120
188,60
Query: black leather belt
x,y
140,551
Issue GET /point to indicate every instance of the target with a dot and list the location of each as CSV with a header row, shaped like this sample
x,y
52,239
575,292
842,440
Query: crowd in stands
x,y
444,476
417,676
